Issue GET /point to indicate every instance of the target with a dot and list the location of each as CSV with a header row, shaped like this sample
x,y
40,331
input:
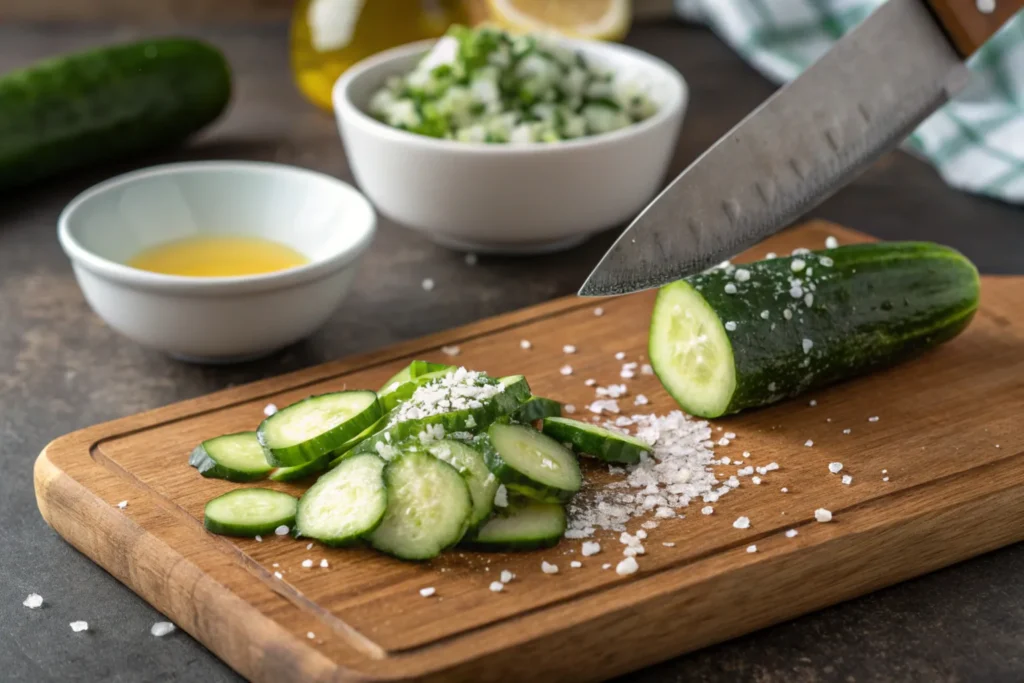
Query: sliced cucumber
x,y
312,428
429,507
721,343
249,512
471,465
348,448
235,457
403,391
530,463
415,369
537,408
593,440
524,525
309,469
346,503
438,426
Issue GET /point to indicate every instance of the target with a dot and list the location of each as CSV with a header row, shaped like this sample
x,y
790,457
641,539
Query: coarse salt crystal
x,y
525,344
568,348
269,409
885,471
808,443
278,575
548,568
646,369
259,539
822,515
723,441
621,355
427,592
741,523
730,326
575,564
812,403
598,312
873,419
746,454
323,564
79,626
826,261
707,510
606,566
590,382
569,408
497,586
770,255
847,479
730,288
427,284
797,265
730,435
745,471
885,478
835,467
123,504
161,628
641,534
307,563
765,314
756,481
809,298
506,576
741,275
590,548
566,370
281,530
771,467
784,489
726,460
33,601
627,566
791,533
751,548
310,635
807,345
451,350
847,430
831,242
309,546
640,400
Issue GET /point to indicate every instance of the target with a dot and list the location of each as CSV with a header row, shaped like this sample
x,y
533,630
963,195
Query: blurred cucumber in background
x,y
107,104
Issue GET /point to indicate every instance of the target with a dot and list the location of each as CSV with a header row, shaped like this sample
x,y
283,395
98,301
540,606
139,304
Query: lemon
x,y
591,19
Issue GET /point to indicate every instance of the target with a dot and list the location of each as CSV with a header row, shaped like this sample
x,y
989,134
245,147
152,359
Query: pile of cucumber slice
x,y
470,469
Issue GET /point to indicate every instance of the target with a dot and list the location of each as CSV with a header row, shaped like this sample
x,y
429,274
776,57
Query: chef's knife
x,y
858,101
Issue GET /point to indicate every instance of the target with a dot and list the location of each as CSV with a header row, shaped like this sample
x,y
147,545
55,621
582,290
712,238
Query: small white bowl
x,y
504,198
216,319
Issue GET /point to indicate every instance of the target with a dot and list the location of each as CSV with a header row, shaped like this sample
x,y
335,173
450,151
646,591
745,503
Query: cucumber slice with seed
x,y
471,465
249,512
596,441
312,428
234,457
530,463
429,507
346,503
524,525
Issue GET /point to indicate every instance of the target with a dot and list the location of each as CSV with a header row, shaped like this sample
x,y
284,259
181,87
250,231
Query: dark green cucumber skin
x,y
879,304
319,446
310,469
472,540
348,448
209,468
516,482
611,449
107,104
537,408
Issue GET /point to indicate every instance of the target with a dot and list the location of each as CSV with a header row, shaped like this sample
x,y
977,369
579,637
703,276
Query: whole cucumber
x,y
750,335
111,103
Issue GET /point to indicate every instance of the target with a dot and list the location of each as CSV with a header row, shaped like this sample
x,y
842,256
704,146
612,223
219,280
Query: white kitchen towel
x,y
976,141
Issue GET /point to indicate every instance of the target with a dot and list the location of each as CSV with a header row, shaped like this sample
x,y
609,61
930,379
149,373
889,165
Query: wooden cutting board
x,y
950,436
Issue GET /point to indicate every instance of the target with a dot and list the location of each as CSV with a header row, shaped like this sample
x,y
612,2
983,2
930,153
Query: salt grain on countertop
x,y
161,628
269,409
741,523
548,568
835,467
791,533
525,345
451,350
427,592
823,515
590,548
79,626
506,576
569,348
281,530
33,601
497,586
627,566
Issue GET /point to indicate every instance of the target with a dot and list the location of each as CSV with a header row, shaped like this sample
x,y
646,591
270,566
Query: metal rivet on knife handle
x,y
970,23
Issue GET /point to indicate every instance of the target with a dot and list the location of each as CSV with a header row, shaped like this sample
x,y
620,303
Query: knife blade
x,y
858,101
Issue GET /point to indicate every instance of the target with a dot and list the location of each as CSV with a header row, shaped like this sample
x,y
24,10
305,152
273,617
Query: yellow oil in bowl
x,y
218,256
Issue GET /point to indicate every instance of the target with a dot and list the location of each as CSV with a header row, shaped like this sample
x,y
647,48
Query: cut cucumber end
x,y
233,457
690,351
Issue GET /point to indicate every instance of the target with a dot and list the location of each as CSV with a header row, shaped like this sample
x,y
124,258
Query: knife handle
x,y
970,23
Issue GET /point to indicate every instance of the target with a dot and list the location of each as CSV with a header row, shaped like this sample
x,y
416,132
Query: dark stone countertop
x,y
62,369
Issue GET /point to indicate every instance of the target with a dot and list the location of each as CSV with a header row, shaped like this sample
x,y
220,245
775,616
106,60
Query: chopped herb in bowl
x,y
486,85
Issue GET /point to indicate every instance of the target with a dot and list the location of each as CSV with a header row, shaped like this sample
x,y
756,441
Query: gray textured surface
x,y
61,369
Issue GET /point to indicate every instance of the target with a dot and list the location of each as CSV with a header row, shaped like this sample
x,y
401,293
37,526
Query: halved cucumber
x,y
249,512
530,463
429,507
746,336
344,504
524,525
593,440
470,464
537,408
312,428
235,457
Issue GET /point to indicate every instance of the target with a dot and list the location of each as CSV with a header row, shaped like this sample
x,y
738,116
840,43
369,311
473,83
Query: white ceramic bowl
x,y
507,198
216,319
